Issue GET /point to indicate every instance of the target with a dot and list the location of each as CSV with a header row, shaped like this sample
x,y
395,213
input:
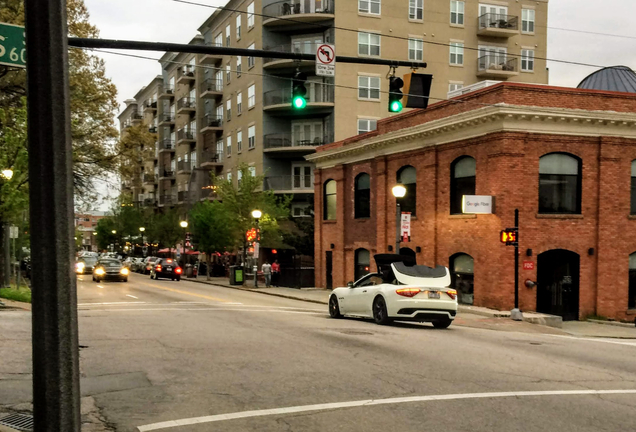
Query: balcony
x,y
496,66
211,58
182,196
212,123
289,184
288,13
166,145
184,167
152,129
136,118
207,192
186,105
165,174
186,136
150,178
211,88
185,74
166,92
150,106
498,25
320,98
166,120
211,158
167,200
285,143
296,48
149,202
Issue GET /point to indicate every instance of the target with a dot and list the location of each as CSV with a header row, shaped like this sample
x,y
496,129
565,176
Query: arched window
x,y
631,299
633,206
363,263
406,176
462,276
559,184
462,182
362,198
329,200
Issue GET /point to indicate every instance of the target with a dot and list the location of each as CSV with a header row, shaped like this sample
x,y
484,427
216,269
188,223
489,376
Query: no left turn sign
x,y
326,60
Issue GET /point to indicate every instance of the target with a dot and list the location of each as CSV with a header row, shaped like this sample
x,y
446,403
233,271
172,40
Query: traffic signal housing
x,y
395,94
417,88
299,91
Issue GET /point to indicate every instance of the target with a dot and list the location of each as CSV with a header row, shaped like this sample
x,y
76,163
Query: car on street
x,y
85,264
148,264
136,265
400,290
166,268
110,269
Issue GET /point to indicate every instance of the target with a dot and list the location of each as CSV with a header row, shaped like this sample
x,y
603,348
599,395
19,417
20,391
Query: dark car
x,y
110,269
148,265
85,265
166,268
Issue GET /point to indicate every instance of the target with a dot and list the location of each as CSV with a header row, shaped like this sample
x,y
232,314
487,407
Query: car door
x,y
359,295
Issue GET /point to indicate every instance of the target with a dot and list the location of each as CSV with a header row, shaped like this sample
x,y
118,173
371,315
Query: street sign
x,y
477,204
326,60
509,236
12,45
405,229
13,231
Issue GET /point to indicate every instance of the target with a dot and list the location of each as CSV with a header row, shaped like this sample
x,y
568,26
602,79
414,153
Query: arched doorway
x,y
558,283
462,271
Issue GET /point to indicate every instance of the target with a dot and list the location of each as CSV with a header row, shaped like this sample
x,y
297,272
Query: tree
x,y
104,230
213,228
14,194
164,228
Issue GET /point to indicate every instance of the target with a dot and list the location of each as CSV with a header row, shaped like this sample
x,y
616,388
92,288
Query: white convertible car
x,y
399,291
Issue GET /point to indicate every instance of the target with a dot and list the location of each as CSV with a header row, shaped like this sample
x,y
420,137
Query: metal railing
x,y
151,104
186,134
167,89
149,201
186,102
167,118
285,139
150,178
302,183
283,8
497,62
212,120
182,196
211,156
166,173
187,71
498,21
166,199
301,48
184,166
152,129
316,92
167,144
212,84
136,116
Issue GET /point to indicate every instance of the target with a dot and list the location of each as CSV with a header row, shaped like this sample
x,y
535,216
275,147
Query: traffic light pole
x,y
516,314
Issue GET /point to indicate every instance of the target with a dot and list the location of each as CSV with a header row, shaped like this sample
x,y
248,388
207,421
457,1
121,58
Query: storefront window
x,y
362,197
462,276
363,263
462,182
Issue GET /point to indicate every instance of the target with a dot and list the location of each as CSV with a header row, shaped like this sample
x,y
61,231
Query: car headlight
x,y
99,271
79,267
124,271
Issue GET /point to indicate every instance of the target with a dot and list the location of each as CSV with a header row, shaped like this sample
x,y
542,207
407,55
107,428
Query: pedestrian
x,y
267,272
275,273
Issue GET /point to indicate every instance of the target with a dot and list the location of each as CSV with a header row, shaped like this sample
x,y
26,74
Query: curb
x,y
612,323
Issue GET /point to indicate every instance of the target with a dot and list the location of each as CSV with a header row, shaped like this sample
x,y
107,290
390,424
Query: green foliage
x,y
14,193
164,228
16,294
104,229
213,227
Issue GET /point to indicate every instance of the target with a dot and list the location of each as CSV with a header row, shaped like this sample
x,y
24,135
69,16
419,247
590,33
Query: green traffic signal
x,y
395,94
299,102
396,106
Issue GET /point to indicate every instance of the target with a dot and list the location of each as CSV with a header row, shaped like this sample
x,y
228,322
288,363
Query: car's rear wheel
x,y
442,324
380,315
334,308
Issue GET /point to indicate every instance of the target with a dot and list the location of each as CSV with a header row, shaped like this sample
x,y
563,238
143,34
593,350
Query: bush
x,y
16,294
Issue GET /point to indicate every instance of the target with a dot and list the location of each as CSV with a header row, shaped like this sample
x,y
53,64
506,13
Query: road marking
x,y
186,293
111,303
99,286
131,296
151,309
610,341
368,402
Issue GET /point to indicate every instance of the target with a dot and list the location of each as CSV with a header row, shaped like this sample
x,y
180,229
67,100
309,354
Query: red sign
x,y
528,265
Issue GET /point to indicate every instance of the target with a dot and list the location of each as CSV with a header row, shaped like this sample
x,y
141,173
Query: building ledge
x,y
462,216
558,216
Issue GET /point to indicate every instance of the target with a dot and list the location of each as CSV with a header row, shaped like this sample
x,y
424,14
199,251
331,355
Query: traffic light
x,y
395,94
417,88
299,91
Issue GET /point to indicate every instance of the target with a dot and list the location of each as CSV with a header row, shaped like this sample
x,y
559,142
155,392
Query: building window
x,y
416,8
238,66
250,15
239,141
454,86
229,176
559,184
527,60
363,263
251,137
251,171
218,40
368,88
457,12
369,6
461,266
250,60
228,33
251,96
228,147
366,125
456,53
228,73
368,44
407,177
462,182
329,200
362,198
631,299
302,176
239,177
416,49
301,210
527,20
238,27
228,109
239,103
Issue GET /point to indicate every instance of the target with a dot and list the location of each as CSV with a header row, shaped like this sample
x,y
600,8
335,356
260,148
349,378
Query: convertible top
x,y
438,277
384,262
420,270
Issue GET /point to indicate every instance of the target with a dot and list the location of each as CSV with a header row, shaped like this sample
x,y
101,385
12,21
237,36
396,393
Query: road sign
x,y
509,236
477,204
326,60
405,229
13,232
12,45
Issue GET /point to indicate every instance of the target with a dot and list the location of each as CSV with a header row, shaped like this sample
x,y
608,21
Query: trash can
x,y
236,275
189,270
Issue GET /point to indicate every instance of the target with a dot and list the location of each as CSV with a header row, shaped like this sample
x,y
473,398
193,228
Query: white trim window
x,y
369,7
251,60
228,146
239,103
228,35
367,125
218,40
454,86
238,66
238,27
219,112
239,177
251,96
527,20
301,210
251,137
457,12
368,87
416,49
307,132
456,53
527,60
228,109
251,171
228,73
368,44
229,176
302,176
239,141
250,15
416,9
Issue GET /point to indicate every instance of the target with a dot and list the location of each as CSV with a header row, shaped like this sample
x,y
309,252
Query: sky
x,y
171,21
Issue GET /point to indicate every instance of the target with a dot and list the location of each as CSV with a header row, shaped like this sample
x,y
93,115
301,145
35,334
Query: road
x,y
175,356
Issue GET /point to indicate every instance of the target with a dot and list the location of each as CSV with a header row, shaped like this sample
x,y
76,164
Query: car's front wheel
x,y
380,315
442,323
334,308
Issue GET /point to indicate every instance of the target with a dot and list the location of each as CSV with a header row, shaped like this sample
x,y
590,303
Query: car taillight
x,y
178,270
158,268
452,293
408,292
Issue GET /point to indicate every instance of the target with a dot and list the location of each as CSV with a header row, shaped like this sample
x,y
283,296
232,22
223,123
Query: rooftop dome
x,y
615,78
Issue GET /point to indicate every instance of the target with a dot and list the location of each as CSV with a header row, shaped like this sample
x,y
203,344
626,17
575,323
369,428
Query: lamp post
x,y
141,230
6,174
114,241
184,225
256,214
399,192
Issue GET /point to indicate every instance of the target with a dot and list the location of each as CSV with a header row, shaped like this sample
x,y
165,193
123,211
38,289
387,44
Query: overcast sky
x,y
170,21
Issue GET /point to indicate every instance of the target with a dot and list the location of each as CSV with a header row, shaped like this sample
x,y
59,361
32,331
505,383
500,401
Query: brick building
x,y
566,158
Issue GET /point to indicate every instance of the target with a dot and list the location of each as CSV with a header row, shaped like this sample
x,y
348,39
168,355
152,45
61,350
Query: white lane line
x,y
99,286
111,303
368,402
627,342
151,309
131,296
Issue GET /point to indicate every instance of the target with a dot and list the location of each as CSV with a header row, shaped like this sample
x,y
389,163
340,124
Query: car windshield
x,y
110,262
89,260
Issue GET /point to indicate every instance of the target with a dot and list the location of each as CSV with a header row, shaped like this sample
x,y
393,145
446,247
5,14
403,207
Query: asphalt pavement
x,y
184,356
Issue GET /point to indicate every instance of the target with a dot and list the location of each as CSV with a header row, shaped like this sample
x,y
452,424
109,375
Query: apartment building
x,y
216,112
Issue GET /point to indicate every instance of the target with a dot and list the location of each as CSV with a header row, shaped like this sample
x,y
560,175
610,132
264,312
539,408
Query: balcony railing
x,y
284,8
316,93
186,134
300,183
167,118
166,199
184,166
285,140
149,201
167,90
498,21
152,129
296,48
212,120
186,102
187,71
182,196
166,144
165,173
150,104
150,178
212,85
497,64
209,156
136,117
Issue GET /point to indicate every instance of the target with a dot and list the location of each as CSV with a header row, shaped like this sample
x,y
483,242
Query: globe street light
x,y
7,174
256,214
141,230
184,225
399,192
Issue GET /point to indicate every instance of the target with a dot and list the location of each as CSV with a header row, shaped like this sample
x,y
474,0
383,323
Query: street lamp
x,y
256,214
7,174
141,230
184,225
399,191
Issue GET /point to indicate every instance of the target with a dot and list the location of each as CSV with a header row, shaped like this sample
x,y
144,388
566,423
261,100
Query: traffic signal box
x,y
509,236
299,91
395,94
411,92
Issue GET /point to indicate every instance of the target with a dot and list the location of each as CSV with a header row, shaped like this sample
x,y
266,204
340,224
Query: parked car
x,y
137,264
110,269
85,264
398,292
148,263
166,268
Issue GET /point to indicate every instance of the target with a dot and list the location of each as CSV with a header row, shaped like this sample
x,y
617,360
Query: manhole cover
x,y
21,422
356,332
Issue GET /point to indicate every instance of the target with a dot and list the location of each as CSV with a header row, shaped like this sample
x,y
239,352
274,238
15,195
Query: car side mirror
x,y
350,284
